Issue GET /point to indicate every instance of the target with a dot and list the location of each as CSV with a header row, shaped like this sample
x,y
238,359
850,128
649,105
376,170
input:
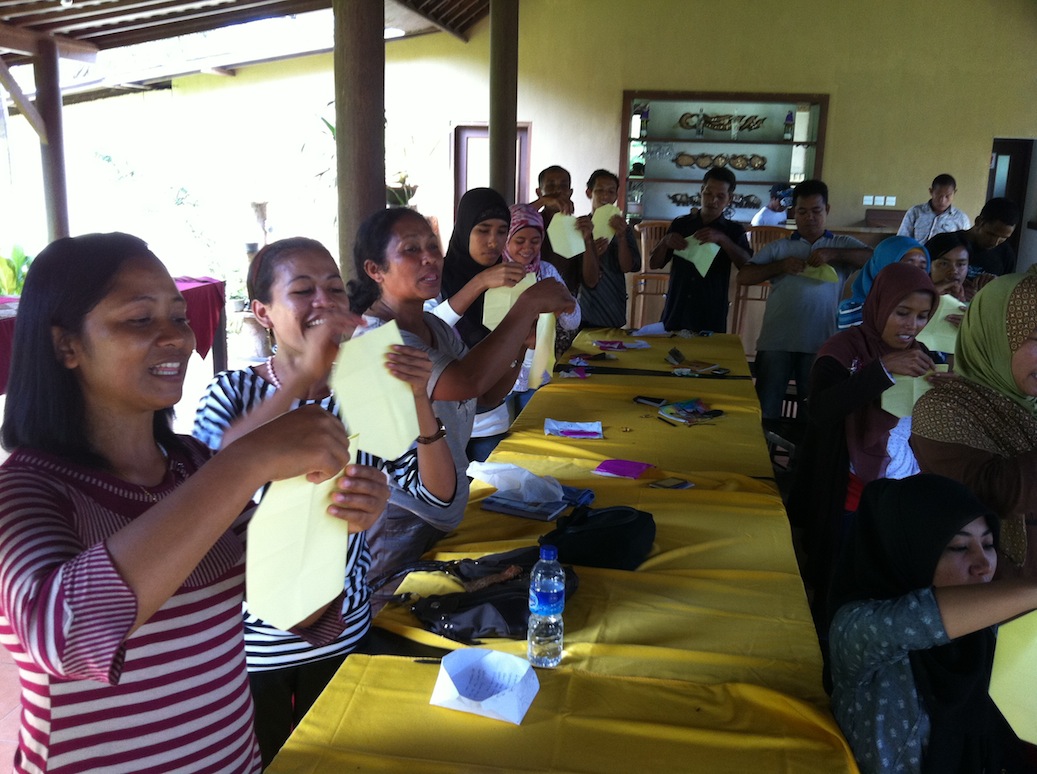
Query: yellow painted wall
x,y
917,88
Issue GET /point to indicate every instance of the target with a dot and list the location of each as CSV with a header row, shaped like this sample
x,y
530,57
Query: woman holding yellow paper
x,y
525,238
121,543
298,296
981,429
851,439
912,637
399,266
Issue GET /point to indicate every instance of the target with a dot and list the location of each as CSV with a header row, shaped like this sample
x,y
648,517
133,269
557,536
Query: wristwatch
x,y
440,433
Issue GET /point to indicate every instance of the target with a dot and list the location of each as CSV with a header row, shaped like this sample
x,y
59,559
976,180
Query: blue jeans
x,y
774,370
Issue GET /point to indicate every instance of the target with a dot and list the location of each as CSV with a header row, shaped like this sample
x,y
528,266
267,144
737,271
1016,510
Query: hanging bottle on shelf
x,y
790,124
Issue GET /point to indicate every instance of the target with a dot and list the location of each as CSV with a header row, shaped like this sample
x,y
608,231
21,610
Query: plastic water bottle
x,y
546,601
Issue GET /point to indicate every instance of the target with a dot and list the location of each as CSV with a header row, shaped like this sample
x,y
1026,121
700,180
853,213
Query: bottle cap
x,y
550,553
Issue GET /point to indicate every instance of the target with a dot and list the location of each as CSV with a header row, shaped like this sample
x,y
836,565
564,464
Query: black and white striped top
x,y
233,394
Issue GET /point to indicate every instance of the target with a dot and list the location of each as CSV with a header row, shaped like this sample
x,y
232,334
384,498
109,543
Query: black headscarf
x,y
475,206
899,534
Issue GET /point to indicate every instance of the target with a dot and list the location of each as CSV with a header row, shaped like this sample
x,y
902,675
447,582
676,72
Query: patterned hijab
x,y
524,216
1000,318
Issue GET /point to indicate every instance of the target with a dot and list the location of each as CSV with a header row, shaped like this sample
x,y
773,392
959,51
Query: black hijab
x,y
899,534
475,206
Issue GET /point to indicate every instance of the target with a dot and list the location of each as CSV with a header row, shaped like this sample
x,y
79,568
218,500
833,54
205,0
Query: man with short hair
x,y
936,216
605,304
555,195
695,302
991,253
801,311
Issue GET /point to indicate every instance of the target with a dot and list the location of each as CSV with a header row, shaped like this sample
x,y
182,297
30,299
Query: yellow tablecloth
x,y
703,659
733,442
375,717
724,349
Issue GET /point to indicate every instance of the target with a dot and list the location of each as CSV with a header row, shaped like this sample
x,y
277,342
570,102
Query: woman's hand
x,y
543,297
360,497
503,275
908,362
308,441
321,343
410,365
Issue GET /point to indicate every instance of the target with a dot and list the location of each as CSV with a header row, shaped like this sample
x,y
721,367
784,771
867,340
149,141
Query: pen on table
x,y
667,422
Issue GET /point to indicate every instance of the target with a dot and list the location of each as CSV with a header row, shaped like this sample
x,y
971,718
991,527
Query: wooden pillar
x,y
504,30
359,117
52,151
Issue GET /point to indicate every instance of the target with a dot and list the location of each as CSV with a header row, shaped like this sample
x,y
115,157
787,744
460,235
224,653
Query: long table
x,y
704,659
205,311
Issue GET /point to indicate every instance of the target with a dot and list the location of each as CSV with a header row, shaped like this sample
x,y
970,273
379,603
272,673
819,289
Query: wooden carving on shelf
x,y
742,201
720,123
739,161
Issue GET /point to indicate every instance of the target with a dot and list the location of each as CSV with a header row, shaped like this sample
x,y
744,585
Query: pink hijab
x,y
524,216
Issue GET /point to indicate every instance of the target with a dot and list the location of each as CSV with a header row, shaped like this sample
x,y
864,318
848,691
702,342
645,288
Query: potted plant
x,y
399,192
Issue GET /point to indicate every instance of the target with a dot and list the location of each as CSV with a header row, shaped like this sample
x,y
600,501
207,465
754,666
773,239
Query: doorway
x,y
1010,176
472,160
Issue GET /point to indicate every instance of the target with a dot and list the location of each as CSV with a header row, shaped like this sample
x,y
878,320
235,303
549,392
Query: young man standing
x,y
555,195
924,221
605,304
801,311
695,302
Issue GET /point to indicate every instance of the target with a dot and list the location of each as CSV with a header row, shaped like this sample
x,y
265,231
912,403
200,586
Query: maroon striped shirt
x,y
174,696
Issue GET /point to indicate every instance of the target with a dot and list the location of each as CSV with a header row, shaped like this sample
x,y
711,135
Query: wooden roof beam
x,y
24,41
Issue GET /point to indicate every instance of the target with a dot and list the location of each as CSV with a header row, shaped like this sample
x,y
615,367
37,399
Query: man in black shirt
x,y
990,255
695,302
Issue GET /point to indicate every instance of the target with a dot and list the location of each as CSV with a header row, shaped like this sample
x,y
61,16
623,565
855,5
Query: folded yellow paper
x,y
700,254
497,302
295,562
566,238
377,407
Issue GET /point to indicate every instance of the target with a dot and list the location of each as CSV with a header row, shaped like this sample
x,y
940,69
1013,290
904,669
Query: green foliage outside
x,y
12,272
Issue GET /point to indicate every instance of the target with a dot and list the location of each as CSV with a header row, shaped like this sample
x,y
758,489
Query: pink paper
x,y
622,468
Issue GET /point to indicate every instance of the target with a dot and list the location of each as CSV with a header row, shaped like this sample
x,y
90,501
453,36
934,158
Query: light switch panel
x,y
868,200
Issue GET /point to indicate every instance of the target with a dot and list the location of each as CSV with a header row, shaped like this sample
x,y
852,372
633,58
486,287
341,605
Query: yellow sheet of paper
x,y
700,254
544,354
939,335
566,239
601,218
375,405
497,302
900,399
295,561
822,273
1014,675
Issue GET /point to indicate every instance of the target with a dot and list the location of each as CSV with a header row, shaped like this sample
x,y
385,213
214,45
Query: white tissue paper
x,y
485,682
522,484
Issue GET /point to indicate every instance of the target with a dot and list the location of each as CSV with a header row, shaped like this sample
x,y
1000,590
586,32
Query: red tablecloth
x,y
205,300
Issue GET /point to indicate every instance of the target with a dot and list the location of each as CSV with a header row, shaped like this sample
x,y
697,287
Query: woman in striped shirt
x,y
298,295
121,555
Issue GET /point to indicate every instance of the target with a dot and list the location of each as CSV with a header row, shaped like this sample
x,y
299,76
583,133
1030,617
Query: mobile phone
x,y
671,483
720,371
648,400
705,333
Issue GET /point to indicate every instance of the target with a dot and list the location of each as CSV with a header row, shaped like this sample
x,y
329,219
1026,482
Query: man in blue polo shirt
x,y
801,311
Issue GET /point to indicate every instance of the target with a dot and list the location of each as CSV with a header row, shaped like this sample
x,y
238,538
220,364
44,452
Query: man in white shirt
x,y
936,216
776,211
